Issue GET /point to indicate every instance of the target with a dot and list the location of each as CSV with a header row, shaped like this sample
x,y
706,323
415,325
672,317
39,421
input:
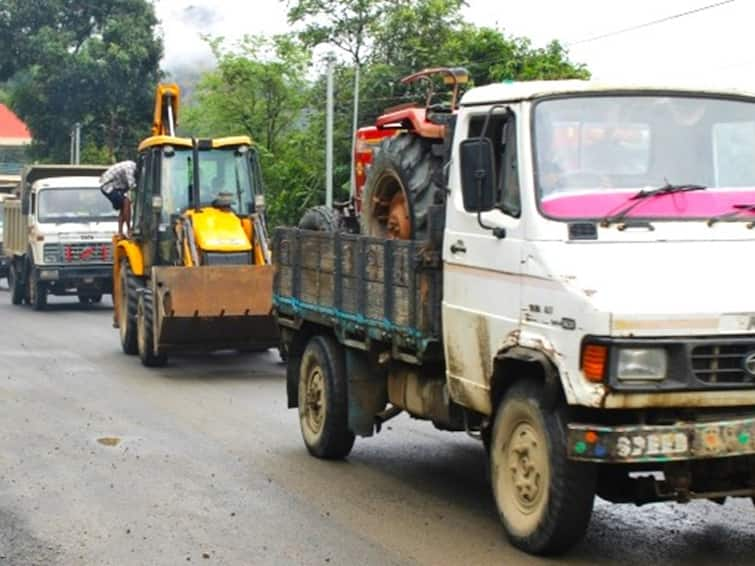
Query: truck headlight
x,y
642,364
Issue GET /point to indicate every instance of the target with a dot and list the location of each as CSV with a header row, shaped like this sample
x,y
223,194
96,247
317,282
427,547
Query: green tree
x,y
96,63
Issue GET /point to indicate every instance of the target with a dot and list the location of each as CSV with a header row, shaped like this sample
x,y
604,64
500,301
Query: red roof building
x,y
13,131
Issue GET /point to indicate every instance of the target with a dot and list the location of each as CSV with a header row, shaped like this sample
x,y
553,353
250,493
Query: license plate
x,y
88,279
651,445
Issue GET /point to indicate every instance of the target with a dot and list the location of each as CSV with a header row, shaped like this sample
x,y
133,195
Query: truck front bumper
x,y
661,443
67,274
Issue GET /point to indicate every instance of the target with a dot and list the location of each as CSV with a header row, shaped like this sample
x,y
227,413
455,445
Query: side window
x,y
137,206
502,133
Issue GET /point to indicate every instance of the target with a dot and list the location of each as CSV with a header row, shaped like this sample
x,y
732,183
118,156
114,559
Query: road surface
x,y
103,461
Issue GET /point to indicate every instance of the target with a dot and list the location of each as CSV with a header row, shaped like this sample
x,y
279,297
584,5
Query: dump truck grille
x,y
724,363
227,258
79,252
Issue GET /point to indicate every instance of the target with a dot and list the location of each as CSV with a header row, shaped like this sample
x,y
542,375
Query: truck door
x,y
482,269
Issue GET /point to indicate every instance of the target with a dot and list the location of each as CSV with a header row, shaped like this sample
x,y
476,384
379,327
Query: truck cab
x,y
58,234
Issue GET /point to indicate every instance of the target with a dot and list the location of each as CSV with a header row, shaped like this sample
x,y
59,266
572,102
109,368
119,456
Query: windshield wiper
x,y
738,209
637,198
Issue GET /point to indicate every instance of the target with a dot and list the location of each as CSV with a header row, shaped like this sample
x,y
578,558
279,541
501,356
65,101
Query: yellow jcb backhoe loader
x,y
194,273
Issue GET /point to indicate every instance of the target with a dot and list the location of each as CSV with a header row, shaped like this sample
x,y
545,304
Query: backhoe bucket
x,y
214,307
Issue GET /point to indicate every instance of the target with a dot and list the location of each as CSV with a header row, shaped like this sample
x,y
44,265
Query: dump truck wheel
x,y
401,185
37,291
16,286
321,219
145,331
323,402
544,499
130,287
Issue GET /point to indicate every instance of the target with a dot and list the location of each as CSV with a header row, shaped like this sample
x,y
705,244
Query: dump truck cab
x,y
194,272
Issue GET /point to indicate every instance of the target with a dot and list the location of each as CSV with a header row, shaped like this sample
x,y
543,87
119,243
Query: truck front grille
x,y
80,252
723,363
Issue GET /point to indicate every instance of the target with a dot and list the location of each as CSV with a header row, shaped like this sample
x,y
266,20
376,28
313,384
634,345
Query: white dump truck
x,y
562,269
58,234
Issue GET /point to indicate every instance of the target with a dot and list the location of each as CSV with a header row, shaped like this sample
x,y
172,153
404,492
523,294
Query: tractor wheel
x,y
402,183
544,499
145,313
321,219
129,294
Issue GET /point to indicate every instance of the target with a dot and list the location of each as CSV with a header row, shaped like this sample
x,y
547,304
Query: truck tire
x,y
544,499
130,287
401,185
36,290
145,313
323,401
16,285
321,219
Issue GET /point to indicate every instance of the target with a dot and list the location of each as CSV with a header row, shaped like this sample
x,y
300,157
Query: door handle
x,y
458,247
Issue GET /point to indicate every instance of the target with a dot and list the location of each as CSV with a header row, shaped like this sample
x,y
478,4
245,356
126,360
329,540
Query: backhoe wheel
x,y
321,219
36,290
401,185
544,499
129,291
16,285
323,403
145,313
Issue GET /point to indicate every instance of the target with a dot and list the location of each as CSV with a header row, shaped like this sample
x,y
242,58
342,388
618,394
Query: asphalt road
x,y
103,461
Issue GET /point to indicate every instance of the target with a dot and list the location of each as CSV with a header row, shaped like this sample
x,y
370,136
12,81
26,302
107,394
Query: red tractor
x,y
399,166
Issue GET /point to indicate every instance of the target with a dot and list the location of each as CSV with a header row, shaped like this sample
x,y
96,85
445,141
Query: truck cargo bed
x,y
366,289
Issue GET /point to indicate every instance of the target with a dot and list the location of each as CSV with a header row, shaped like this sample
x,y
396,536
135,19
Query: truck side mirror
x,y
477,174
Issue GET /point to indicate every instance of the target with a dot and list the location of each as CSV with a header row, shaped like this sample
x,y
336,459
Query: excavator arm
x,y
165,118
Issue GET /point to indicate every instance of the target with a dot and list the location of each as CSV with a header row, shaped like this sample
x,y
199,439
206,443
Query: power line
x,y
652,23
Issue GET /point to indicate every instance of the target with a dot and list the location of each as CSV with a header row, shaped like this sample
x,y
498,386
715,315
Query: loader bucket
x,y
214,308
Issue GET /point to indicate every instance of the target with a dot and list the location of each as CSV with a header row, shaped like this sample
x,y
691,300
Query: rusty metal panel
x,y
239,290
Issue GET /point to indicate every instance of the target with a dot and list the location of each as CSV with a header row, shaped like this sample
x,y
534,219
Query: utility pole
x,y
76,144
354,126
329,134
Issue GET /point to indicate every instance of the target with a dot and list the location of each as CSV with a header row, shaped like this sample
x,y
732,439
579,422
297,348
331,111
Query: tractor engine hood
x,y
658,288
218,230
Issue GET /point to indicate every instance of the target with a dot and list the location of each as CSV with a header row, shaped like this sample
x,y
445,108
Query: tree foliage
x,y
96,63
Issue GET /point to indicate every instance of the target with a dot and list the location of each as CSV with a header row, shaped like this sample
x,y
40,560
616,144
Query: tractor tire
x,y
321,219
544,499
145,314
404,163
130,286
36,290
16,285
323,400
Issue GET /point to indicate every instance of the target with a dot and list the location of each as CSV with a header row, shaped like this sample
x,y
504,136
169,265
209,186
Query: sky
x,y
713,46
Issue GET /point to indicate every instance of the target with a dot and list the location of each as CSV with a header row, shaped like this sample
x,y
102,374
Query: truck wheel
x,y
145,331
544,499
401,185
321,219
323,403
16,286
130,287
37,291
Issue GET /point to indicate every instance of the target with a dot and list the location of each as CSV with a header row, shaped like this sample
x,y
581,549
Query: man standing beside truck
x,y
115,184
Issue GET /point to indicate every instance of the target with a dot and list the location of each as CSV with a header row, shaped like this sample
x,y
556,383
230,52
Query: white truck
x,y
577,294
58,235
4,259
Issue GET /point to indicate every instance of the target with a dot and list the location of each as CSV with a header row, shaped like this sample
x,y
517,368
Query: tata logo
x,y
749,363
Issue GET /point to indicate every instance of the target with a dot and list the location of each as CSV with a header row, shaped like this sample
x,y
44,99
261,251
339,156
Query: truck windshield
x,y
84,204
225,170
594,154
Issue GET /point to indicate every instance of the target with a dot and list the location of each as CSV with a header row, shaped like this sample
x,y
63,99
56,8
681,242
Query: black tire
x,y
36,290
407,163
323,401
321,219
130,286
145,312
16,285
544,499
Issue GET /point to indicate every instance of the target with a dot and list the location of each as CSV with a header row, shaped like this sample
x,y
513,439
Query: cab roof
x,y
216,143
526,90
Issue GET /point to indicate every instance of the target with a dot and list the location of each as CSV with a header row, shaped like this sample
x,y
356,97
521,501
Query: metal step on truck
x,y
560,270
57,235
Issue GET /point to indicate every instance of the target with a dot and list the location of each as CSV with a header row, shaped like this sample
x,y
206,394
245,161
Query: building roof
x,y
526,90
12,129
